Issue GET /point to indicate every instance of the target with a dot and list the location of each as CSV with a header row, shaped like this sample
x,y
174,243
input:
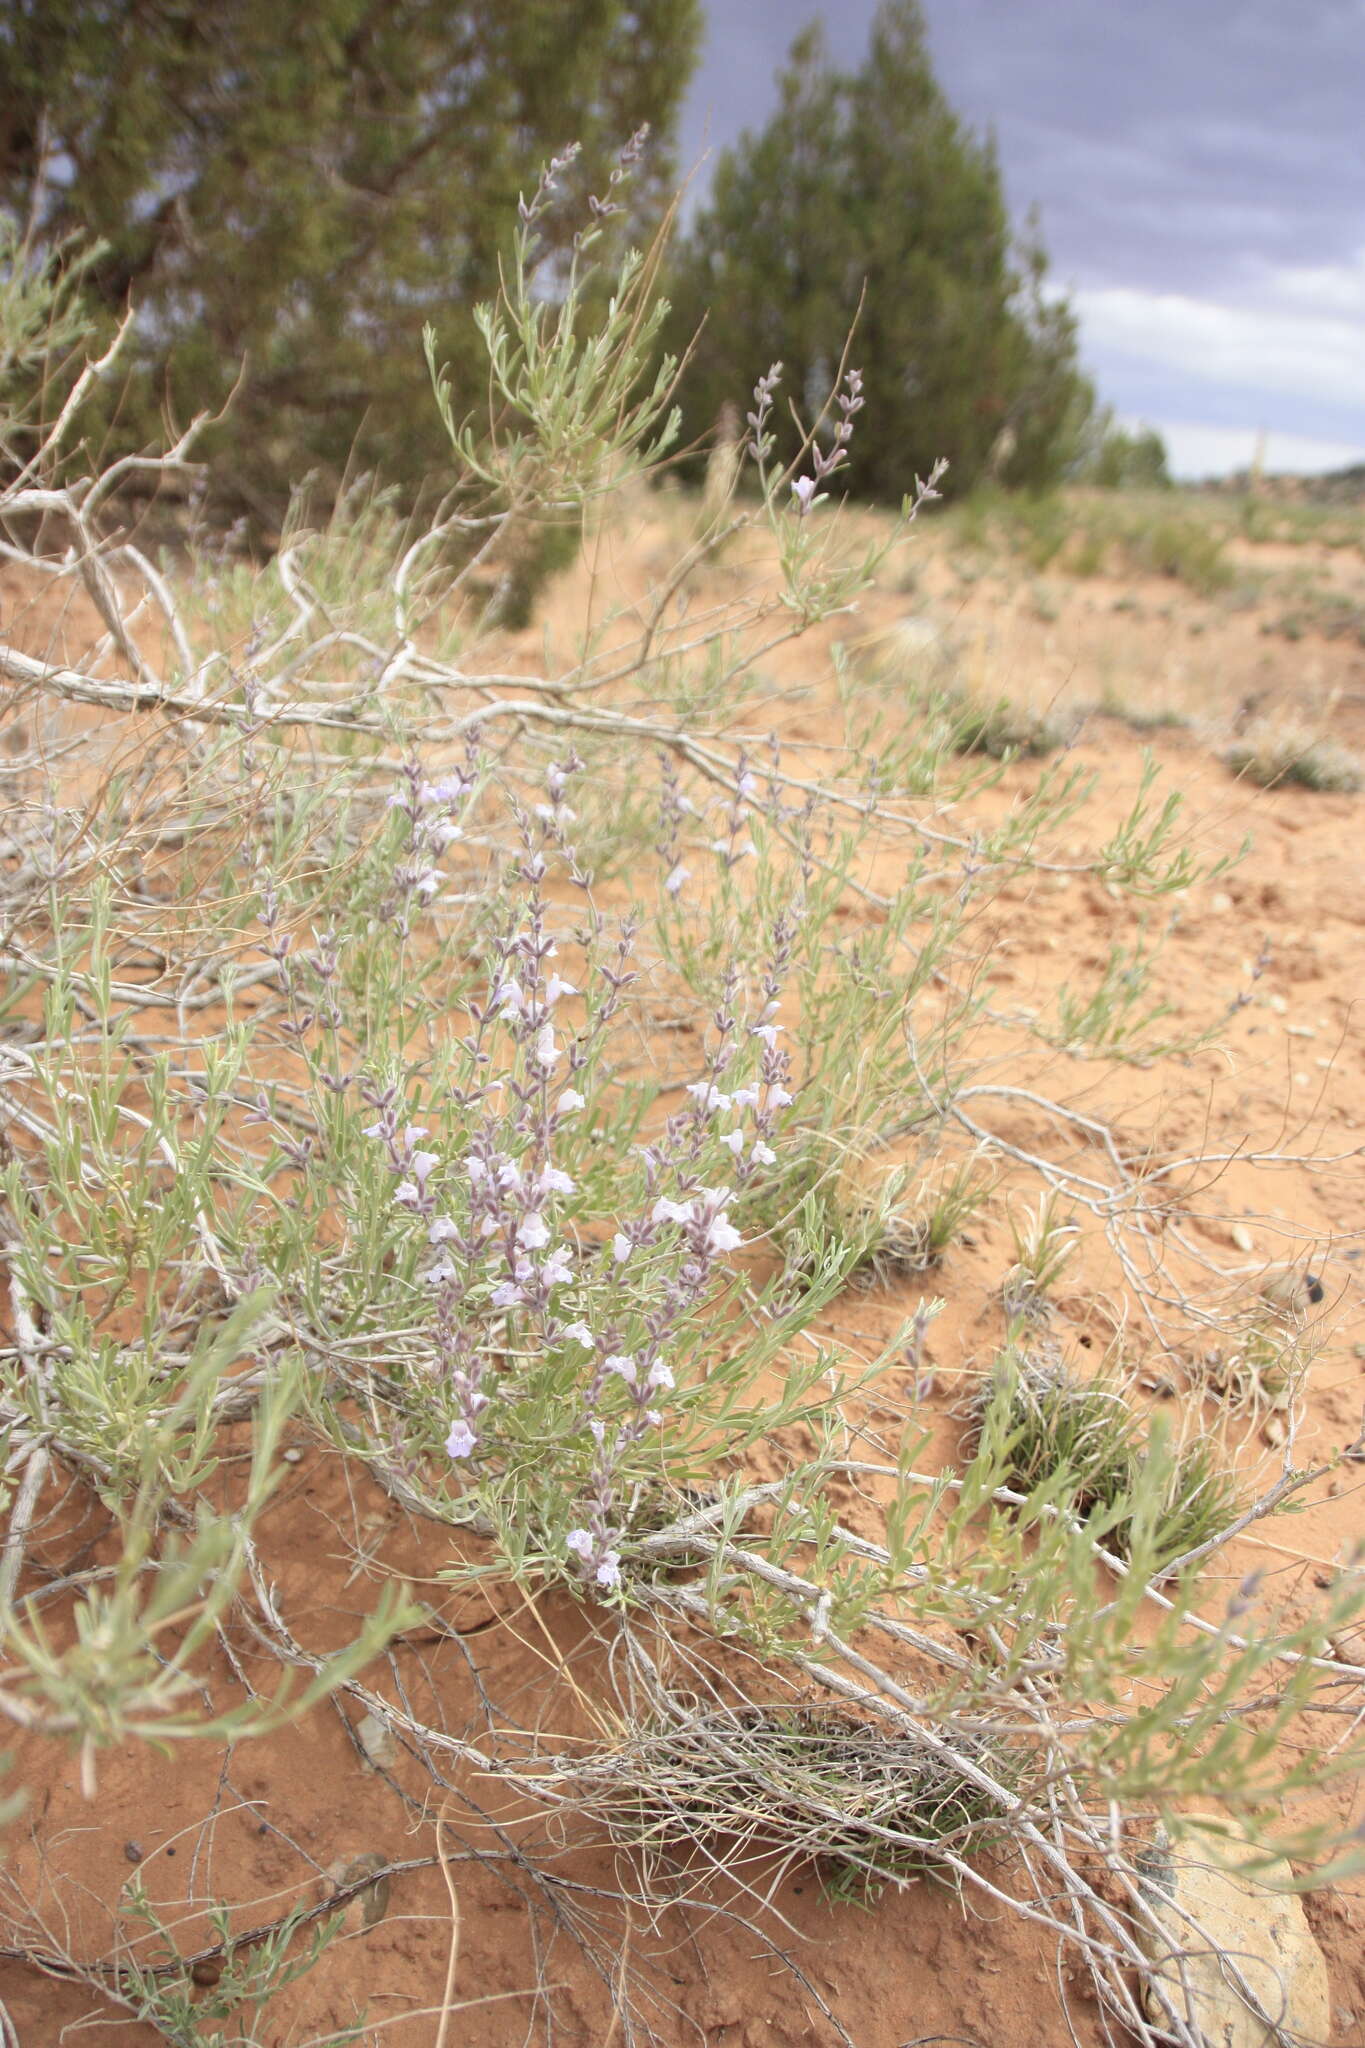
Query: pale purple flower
x,y
676,877
533,1232
666,1211
767,1032
421,1164
717,1231
442,1230
778,1098
580,1543
506,1295
608,1573
581,1334
569,1101
449,790
659,1375
554,1180
460,1442
547,1052
556,987
407,1194
803,490
558,1268
623,1364
735,1141
763,1155
621,1247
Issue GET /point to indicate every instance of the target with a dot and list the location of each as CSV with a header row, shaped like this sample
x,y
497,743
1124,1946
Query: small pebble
x,y
1291,1290
134,1851
1299,1031
376,1739
292,1456
207,1972
1243,1238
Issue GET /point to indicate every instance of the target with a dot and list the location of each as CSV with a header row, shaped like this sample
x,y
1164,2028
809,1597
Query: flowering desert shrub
x,y
338,931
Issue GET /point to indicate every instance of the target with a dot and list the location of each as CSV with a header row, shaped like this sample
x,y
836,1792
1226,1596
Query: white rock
x,y
1216,1926
376,1739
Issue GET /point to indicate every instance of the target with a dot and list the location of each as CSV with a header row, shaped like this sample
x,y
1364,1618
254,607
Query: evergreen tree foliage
x,y
1116,458
866,190
302,187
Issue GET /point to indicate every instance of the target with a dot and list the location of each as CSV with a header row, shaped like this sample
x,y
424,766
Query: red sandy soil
x,y
260,1827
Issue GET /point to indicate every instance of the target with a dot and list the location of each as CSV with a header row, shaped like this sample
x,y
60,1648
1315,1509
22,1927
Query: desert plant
x,y
1273,755
1044,1239
339,1088
793,1783
1051,1425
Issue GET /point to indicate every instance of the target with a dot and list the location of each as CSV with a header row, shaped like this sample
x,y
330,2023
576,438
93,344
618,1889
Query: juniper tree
x,y
303,188
866,190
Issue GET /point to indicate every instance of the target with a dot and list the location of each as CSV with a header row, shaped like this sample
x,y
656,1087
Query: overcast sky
x,y
1200,173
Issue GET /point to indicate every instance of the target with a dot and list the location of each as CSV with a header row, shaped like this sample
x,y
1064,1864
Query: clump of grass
x,y
1052,1423
1055,1422
1185,548
982,724
1272,755
1331,614
884,1234
1138,716
1090,553
1044,1239
810,1783
1260,1361
948,1205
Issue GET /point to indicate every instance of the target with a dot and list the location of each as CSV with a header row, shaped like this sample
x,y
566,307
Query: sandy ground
x,y
1282,1089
